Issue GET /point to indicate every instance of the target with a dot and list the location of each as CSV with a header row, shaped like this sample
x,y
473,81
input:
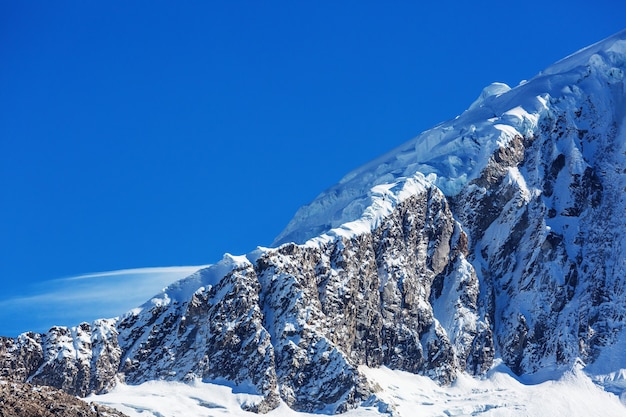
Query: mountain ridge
x,y
419,155
494,236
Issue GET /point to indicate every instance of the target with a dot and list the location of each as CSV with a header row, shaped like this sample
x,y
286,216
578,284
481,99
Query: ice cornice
x,y
447,157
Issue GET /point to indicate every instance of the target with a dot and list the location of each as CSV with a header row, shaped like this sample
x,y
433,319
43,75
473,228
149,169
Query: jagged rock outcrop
x,y
298,322
545,226
499,233
80,360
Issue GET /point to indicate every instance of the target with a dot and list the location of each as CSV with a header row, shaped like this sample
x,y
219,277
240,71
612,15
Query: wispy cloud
x,y
71,300
163,270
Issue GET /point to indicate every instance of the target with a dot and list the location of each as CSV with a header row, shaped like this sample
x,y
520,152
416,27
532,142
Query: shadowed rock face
x,y
544,227
527,262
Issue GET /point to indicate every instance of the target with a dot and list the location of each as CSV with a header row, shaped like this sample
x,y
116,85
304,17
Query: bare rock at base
x,y
26,400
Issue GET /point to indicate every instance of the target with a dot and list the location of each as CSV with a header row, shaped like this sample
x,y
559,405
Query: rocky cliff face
x,y
297,323
546,225
499,233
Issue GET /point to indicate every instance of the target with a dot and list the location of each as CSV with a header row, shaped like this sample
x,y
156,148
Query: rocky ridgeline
x,y
296,324
525,262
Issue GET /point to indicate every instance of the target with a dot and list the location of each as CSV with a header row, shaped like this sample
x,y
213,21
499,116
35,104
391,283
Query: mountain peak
x,y
492,241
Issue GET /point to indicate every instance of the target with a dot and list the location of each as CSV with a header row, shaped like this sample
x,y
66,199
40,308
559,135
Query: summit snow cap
x,y
455,152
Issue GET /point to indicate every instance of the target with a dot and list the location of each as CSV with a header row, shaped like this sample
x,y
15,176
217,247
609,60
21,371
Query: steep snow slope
x,y
495,237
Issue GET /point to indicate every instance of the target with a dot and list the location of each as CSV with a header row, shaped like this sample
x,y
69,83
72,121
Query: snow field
x,y
500,394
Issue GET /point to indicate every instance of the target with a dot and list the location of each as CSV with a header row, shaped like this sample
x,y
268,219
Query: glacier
x,y
454,153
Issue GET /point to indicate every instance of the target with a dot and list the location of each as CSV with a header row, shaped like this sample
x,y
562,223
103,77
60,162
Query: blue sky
x,y
154,134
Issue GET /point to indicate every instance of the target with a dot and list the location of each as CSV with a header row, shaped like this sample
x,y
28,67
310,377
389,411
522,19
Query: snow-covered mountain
x,y
495,238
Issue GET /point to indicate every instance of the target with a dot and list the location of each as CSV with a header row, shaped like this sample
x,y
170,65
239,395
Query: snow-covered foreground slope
x,y
499,394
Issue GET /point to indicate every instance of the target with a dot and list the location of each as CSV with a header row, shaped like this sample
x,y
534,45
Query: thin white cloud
x,y
72,300
137,271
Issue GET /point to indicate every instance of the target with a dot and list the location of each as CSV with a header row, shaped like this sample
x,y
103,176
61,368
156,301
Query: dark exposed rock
x,y
26,400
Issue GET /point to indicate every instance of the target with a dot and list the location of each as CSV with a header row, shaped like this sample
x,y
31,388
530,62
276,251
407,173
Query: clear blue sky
x,y
152,133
